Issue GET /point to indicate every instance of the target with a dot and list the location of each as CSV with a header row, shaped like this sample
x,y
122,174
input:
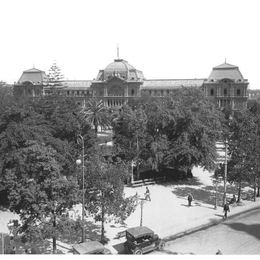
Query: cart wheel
x,y
161,245
138,252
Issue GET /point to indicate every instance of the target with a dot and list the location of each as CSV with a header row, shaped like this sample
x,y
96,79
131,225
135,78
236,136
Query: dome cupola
x,y
121,69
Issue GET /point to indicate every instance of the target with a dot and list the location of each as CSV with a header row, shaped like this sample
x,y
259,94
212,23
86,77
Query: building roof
x,y
171,83
226,71
120,68
34,76
77,84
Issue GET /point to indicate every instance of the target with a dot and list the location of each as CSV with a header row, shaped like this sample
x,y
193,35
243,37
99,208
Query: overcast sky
x,y
164,38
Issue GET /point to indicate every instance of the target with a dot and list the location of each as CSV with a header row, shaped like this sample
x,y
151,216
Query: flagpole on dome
x,y
117,51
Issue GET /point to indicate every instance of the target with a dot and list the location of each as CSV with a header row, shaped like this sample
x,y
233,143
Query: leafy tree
x,y
96,114
6,97
104,187
129,135
193,130
38,192
158,118
243,147
38,143
62,116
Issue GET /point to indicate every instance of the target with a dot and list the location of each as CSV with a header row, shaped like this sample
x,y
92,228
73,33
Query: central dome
x,y
122,69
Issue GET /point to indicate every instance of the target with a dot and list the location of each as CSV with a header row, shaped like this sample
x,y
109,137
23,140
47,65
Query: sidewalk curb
x,y
207,225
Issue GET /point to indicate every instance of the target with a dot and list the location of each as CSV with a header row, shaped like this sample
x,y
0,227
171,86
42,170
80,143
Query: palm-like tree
x,y
96,114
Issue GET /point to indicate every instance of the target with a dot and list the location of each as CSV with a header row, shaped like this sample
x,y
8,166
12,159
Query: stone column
x,y
126,91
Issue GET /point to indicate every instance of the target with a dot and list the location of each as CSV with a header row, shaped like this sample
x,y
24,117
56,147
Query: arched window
x,y
238,92
132,92
212,92
225,91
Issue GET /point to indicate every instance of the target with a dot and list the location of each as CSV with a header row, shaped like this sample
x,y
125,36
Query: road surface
x,y
237,236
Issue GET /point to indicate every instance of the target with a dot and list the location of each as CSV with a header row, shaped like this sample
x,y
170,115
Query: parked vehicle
x,y
90,247
141,240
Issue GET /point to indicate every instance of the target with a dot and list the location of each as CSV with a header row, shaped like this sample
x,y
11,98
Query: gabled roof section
x,y
171,83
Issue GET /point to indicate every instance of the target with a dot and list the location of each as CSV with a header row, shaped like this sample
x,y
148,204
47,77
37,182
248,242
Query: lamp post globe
x,y
78,162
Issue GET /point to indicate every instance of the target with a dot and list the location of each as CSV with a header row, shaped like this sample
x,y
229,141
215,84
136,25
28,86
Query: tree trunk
x,y
96,129
254,188
239,191
54,246
102,223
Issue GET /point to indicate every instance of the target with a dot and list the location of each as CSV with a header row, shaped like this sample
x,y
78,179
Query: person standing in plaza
x,y
147,194
190,199
226,209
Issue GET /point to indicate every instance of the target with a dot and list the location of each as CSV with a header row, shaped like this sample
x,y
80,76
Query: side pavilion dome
x,y
226,71
34,76
121,69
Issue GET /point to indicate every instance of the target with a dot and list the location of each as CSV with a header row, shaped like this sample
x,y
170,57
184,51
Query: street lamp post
x,y
83,186
142,206
132,172
225,175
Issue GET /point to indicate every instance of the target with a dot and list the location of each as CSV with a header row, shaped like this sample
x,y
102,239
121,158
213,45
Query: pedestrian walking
x,y
190,199
219,252
233,200
226,209
147,194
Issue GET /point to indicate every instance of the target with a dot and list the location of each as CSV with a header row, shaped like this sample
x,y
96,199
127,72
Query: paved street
x,y
239,235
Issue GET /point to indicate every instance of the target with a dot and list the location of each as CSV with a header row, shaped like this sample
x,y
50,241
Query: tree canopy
x,y
177,132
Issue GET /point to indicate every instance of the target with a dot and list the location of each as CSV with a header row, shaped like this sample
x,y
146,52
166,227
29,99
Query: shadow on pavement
x,y
202,195
253,229
71,236
194,181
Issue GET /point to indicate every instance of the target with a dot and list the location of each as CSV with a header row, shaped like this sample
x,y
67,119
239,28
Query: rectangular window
x,y
238,92
225,91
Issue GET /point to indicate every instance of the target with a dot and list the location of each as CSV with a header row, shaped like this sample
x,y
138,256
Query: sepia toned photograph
x,y
129,127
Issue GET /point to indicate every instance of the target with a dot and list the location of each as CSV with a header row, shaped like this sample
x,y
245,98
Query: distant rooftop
x,y
171,83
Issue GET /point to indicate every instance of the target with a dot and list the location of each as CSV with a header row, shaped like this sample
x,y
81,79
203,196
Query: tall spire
x,y
225,60
117,51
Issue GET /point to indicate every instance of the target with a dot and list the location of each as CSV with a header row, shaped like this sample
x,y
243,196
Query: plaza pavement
x,y
167,213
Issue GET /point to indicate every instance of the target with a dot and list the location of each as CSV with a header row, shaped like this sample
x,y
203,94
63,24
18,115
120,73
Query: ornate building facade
x,y
120,82
227,87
